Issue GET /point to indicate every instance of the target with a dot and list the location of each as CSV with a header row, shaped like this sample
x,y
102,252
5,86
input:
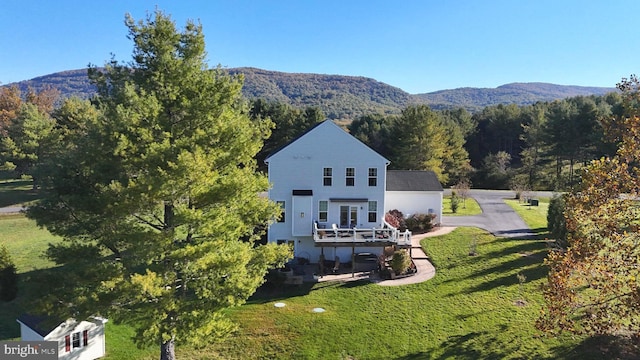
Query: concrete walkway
x,y
425,269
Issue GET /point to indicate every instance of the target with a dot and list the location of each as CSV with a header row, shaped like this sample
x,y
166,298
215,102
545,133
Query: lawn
x,y
16,192
469,207
470,310
534,216
475,307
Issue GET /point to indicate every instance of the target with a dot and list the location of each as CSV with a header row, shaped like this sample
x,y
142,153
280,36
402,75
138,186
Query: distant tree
x,y
8,276
572,132
422,140
10,103
30,140
288,123
159,202
462,118
496,171
533,137
462,189
556,221
455,202
373,130
593,286
498,130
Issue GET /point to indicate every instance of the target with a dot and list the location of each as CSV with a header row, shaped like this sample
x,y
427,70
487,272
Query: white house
x,y
333,191
414,192
82,340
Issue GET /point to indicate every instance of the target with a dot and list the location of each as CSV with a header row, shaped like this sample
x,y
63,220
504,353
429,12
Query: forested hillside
x,y
348,97
474,99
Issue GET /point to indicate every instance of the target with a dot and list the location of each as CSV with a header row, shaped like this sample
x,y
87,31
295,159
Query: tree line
x,y
543,146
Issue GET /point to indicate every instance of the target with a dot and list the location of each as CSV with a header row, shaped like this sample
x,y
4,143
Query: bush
x,y
455,202
395,218
420,222
8,276
401,261
556,221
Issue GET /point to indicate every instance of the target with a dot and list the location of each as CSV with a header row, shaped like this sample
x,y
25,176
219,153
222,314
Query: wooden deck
x,y
337,237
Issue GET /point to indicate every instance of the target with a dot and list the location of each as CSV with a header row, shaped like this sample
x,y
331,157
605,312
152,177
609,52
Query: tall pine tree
x,y
159,200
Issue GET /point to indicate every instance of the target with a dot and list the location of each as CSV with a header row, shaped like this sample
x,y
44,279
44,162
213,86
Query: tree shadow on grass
x,y
472,346
601,347
28,292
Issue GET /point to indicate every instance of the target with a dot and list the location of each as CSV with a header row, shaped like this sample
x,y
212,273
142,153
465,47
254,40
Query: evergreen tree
x,y
157,194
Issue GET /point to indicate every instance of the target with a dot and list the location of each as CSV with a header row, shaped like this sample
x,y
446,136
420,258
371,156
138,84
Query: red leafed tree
x,y
593,285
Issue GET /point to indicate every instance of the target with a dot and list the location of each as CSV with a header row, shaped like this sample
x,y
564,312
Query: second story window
x,y
373,177
351,176
327,176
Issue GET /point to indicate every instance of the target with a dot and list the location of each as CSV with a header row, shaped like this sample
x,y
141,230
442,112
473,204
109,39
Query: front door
x,y
348,216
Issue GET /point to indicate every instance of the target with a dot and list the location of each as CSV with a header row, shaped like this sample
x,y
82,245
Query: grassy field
x,y
15,192
534,216
469,207
474,308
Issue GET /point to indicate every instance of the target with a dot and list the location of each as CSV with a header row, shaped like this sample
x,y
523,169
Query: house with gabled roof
x,y
77,340
334,192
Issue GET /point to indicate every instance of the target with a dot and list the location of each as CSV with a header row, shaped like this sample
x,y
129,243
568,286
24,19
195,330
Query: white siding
x,y
415,202
96,340
27,334
300,166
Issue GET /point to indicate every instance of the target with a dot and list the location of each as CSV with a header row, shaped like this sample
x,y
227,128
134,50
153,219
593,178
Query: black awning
x,y
349,199
302,192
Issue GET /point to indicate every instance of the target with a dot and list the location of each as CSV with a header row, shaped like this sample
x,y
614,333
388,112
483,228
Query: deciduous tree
x,y
158,201
593,285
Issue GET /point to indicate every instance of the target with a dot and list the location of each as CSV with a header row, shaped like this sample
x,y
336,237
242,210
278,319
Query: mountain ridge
x,y
345,97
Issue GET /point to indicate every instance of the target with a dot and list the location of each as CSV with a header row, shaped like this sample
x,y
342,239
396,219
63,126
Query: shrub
x,y
395,218
455,202
8,276
420,222
556,221
401,261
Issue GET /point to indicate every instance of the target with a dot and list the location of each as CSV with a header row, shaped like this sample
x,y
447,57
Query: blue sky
x,y
419,46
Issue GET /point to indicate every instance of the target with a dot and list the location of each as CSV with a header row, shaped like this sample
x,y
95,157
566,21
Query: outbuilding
x,y
77,340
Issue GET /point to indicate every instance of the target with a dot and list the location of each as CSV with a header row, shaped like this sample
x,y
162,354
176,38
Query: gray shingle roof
x,y
412,180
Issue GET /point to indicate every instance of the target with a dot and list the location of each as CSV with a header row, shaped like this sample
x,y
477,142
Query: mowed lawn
x,y
467,207
474,308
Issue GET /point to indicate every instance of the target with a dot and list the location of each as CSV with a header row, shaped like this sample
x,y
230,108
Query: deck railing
x,y
385,233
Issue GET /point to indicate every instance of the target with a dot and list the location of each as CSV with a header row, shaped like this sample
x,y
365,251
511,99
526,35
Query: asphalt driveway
x,y
497,217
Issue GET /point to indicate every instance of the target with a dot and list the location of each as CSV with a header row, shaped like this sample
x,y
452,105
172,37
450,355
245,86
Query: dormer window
x,y
351,176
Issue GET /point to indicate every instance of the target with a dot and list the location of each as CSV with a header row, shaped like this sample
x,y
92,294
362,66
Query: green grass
x,y
469,310
534,216
26,244
470,207
16,192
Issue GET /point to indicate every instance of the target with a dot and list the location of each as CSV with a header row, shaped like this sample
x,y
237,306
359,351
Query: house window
x,y
76,340
282,214
327,176
373,177
351,176
323,211
373,211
